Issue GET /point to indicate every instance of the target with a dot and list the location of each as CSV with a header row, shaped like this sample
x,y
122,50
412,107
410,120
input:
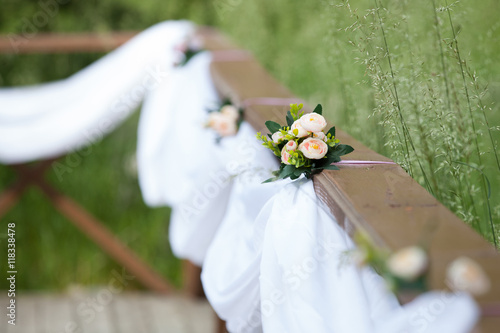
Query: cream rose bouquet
x,y
303,145
225,120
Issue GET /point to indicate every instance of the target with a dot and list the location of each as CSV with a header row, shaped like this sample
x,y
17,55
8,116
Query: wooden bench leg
x,y
221,326
194,289
94,229
88,224
192,281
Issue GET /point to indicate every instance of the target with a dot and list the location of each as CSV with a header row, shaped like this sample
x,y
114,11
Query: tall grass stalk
x,y
426,104
406,132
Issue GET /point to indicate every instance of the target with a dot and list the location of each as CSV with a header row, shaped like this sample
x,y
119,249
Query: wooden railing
x,y
382,200
64,43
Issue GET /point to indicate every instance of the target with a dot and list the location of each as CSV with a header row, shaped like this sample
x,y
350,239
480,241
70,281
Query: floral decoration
x,y
303,145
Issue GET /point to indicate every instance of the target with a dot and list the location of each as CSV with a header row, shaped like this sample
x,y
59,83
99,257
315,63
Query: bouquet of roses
x,y
225,120
302,145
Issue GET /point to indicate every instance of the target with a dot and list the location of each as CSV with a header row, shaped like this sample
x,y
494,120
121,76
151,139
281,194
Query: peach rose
x,y
277,137
313,148
465,274
223,125
285,156
230,111
301,132
313,122
291,145
408,263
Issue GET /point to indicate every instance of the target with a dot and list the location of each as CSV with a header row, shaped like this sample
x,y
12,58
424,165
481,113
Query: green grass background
x,y
307,45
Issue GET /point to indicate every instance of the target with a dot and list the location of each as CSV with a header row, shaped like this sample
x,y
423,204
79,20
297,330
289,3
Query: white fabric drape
x,y
181,164
284,270
196,219
272,255
172,142
48,120
231,266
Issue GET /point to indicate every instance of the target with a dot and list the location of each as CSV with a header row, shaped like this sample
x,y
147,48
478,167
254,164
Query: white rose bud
x,y
408,263
319,135
313,148
313,122
464,274
285,156
230,111
277,137
301,132
291,145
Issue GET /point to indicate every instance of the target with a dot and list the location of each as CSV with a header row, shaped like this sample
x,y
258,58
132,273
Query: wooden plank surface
x,y
382,200
64,43
101,312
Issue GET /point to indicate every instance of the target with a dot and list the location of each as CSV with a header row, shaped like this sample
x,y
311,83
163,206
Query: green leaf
x,y
289,118
343,150
333,158
331,167
318,109
270,180
273,126
331,131
299,171
289,169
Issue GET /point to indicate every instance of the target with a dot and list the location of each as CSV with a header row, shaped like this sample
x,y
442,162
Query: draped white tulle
x,y
272,254
284,270
48,120
173,144
195,221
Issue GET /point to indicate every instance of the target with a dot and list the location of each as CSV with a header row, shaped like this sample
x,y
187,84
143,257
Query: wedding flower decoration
x,y
464,274
225,120
303,145
406,269
403,270
187,49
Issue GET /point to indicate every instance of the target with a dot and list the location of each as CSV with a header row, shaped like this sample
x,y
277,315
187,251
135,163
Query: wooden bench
x,y
382,200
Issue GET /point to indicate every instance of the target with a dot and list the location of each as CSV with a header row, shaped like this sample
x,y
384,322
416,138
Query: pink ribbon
x,y
491,310
363,162
231,55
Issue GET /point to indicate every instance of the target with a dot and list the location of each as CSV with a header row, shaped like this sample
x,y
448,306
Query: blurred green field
x,y
313,47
